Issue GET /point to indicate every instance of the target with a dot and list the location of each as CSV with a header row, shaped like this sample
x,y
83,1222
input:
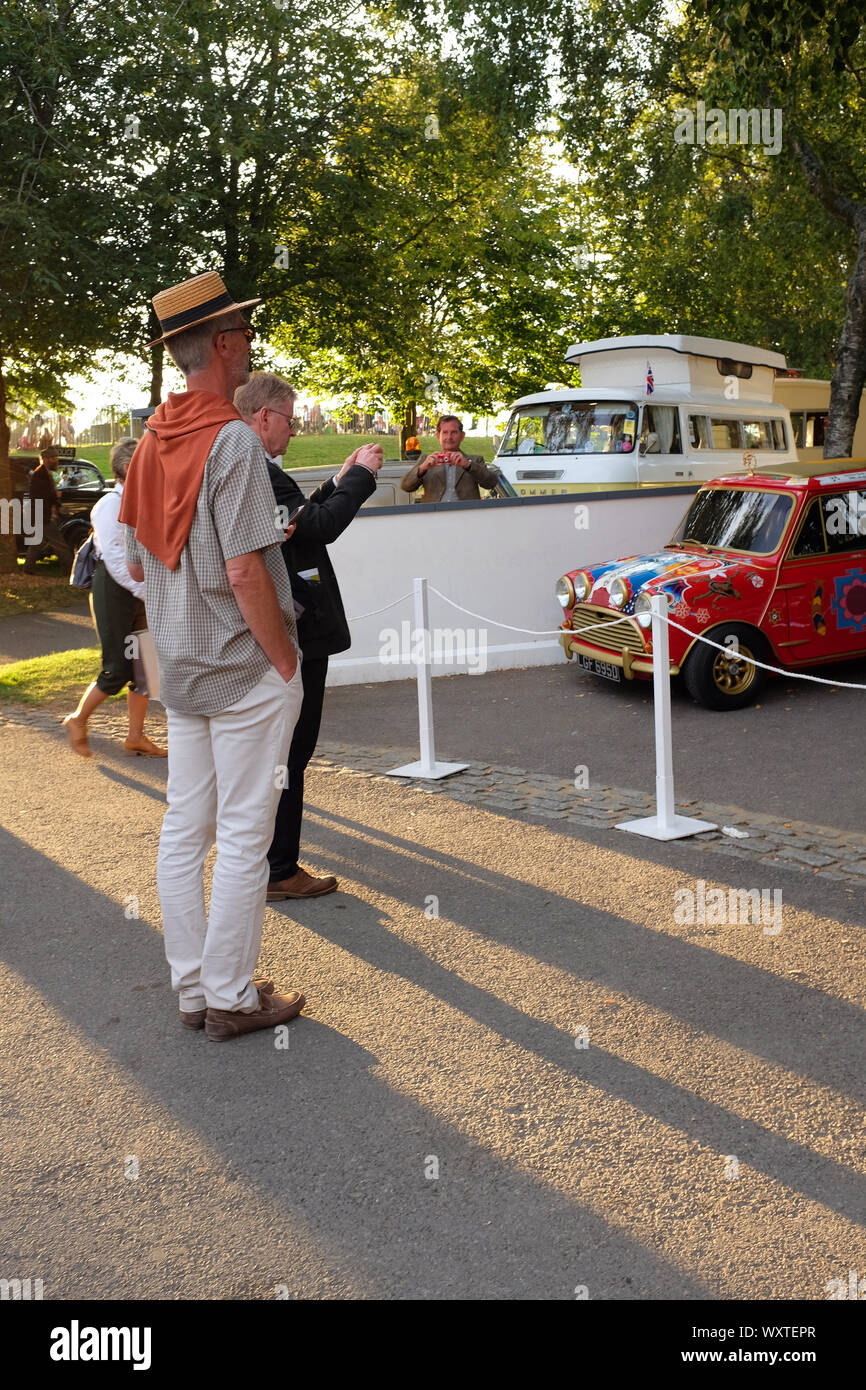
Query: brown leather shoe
x,y
196,1018
222,1024
300,885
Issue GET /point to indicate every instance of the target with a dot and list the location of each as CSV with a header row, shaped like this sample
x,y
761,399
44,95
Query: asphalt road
x,y
794,755
37,634
431,1130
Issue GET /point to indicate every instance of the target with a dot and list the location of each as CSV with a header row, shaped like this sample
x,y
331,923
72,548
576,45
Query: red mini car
x,y
769,565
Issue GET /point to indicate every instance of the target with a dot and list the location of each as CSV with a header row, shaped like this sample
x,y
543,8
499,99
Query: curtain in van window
x,y
663,422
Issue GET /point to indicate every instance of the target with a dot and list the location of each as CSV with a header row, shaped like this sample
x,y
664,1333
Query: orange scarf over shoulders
x,y
165,473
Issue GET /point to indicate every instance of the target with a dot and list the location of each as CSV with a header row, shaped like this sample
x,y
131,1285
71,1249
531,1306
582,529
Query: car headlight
x,y
643,610
582,586
565,591
619,593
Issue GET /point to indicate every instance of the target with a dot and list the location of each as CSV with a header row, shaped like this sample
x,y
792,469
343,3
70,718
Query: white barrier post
x,y
665,824
427,767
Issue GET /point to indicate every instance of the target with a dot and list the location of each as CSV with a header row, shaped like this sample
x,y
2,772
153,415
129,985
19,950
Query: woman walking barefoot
x,y
117,605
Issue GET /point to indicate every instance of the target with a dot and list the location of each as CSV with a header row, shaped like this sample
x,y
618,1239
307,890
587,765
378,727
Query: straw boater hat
x,y
195,301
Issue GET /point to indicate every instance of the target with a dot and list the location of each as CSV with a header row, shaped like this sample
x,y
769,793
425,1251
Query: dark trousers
x,y
285,847
117,614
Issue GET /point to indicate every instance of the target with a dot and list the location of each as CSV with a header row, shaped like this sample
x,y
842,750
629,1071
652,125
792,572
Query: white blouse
x,y
110,539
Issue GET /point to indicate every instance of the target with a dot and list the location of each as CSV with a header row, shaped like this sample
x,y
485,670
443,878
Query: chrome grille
x,y
625,634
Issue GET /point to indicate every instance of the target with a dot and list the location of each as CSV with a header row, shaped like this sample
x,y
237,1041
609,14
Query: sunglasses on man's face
x,y
248,332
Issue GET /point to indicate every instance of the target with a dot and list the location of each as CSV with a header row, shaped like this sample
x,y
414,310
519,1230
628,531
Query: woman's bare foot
x,y
144,745
77,735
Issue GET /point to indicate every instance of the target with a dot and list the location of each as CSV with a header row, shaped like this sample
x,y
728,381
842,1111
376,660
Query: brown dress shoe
x,y
196,1018
300,885
222,1024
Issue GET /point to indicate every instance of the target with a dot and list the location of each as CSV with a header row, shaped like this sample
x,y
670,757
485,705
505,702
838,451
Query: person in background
x,y
449,475
117,606
42,490
267,403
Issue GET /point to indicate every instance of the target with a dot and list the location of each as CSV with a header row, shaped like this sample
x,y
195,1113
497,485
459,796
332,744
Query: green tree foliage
x,y
58,229
721,237
438,263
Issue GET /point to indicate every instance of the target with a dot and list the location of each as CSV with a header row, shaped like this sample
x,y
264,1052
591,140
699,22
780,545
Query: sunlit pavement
x,y
519,1074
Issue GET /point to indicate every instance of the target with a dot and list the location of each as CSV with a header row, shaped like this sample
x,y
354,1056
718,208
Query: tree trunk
x,y
850,371
8,550
409,426
157,358
156,362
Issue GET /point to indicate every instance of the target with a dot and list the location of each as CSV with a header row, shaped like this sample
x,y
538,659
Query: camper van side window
x,y
660,432
757,434
699,432
779,441
726,434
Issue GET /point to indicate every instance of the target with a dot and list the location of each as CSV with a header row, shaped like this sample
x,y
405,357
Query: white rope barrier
x,y
531,631
752,661
356,618
665,824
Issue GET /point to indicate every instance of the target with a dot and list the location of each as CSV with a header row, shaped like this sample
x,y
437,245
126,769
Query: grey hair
x,y
120,456
263,389
191,350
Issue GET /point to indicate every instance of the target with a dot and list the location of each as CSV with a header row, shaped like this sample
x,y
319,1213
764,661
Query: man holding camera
x,y
449,475
266,403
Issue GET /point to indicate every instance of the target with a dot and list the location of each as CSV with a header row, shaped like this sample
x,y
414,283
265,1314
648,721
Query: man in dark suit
x,y
266,403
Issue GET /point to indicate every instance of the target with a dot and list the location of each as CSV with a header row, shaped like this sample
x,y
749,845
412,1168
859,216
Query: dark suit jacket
x,y
322,627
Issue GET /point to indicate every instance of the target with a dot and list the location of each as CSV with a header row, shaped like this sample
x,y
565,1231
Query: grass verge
x,y
43,679
317,450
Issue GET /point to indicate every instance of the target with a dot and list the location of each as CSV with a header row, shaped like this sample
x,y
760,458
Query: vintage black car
x,y
79,485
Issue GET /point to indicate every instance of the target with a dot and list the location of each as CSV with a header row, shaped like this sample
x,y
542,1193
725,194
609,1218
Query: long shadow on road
x,y
804,1031
337,1152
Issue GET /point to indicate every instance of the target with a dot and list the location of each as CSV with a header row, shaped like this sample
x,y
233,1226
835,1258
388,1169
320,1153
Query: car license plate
x,y
599,668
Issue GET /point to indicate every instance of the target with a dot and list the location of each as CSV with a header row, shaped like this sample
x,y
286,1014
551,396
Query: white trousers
x,y
225,775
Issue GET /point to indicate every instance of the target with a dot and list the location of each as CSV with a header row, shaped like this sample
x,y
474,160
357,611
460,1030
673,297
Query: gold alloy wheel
x,y
731,674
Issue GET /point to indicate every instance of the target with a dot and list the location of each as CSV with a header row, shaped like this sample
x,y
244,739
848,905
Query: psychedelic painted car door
x,y
823,580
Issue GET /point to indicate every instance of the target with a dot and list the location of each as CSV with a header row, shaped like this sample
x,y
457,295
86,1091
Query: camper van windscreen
x,y
572,427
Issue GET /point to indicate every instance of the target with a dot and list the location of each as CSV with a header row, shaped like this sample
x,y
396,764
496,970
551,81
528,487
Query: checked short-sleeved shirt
x,y
208,658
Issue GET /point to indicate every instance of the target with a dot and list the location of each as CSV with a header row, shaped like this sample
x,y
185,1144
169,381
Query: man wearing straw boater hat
x,y
202,534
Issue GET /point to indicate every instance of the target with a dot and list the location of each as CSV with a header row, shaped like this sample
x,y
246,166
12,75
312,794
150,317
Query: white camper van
x,y
651,411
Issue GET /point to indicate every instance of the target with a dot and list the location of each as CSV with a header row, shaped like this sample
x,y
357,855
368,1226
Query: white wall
x,y
499,558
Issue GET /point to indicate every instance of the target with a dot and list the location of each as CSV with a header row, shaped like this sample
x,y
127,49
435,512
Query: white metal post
x,y
424,678
665,824
422,640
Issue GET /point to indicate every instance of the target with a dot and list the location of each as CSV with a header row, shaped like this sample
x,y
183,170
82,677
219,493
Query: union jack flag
x,y
650,384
